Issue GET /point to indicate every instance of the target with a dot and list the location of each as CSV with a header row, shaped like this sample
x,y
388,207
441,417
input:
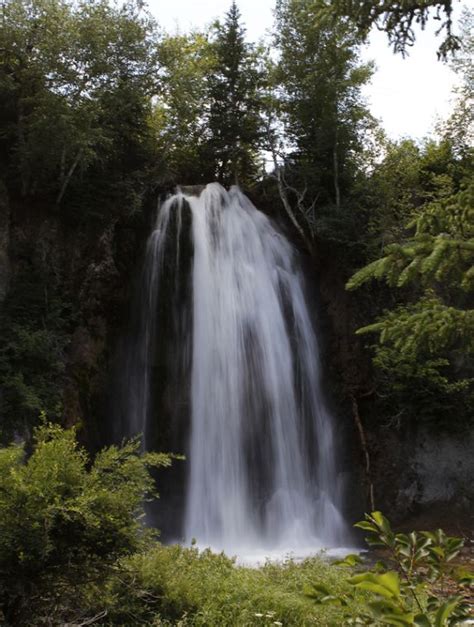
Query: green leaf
x,y
398,620
381,521
464,577
321,594
366,526
321,588
445,611
421,620
382,607
330,599
386,584
350,560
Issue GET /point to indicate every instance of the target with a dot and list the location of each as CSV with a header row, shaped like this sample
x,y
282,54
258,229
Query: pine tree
x,y
233,120
423,355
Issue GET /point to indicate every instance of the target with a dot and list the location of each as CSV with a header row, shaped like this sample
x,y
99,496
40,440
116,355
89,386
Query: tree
x,y
322,110
35,332
459,128
65,521
179,114
397,19
399,183
76,81
421,225
233,120
426,340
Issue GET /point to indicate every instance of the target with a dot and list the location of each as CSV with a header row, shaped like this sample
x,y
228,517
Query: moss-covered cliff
x,y
66,287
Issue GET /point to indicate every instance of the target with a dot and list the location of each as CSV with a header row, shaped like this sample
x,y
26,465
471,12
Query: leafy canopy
x,y
75,85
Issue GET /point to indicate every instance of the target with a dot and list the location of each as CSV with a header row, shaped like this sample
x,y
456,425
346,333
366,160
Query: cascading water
x,y
261,455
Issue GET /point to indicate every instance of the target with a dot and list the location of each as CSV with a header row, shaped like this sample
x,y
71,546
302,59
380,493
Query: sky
x,y
408,95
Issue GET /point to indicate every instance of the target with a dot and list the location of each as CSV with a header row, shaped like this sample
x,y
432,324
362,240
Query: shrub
x,y
64,522
410,591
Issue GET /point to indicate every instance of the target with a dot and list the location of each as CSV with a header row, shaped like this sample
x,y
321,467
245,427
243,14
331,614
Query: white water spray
x,y
262,471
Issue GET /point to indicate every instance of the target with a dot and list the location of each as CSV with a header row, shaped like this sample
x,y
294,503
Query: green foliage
x,y
233,118
441,249
424,223
65,521
206,118
187,587
392,191
422,361
178,117
35,330
398,19
459,128
415,341
404,596
72,547
75,85
323,118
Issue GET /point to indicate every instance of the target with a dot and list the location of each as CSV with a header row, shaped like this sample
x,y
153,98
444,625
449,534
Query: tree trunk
x,y
336,172
68,177
25,168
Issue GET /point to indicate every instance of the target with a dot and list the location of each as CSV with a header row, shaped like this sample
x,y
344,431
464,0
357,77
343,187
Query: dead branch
x,y
365,449
282,190
88,621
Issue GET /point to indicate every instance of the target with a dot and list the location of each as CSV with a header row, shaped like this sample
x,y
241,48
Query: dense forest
x,y
102,114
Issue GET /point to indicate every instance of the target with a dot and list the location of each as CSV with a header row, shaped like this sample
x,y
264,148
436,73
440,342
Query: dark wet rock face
x,y
81,276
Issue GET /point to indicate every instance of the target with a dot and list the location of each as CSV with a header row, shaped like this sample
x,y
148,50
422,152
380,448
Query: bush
x,y
64,523
414,587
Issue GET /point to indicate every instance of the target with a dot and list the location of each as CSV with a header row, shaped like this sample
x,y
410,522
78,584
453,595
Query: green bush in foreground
x,y
64,523
180,586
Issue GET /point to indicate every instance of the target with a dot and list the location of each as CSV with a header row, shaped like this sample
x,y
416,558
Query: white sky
x,y
408,95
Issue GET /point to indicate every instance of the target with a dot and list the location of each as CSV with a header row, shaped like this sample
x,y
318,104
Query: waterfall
x,y
261,456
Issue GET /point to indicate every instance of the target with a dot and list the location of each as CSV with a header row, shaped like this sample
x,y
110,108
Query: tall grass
x,y
181,586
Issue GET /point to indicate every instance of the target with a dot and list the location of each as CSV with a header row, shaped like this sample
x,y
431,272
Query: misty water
x,y
261,475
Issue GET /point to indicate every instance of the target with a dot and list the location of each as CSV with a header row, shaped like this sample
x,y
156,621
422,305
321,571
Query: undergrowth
x,y
207,589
